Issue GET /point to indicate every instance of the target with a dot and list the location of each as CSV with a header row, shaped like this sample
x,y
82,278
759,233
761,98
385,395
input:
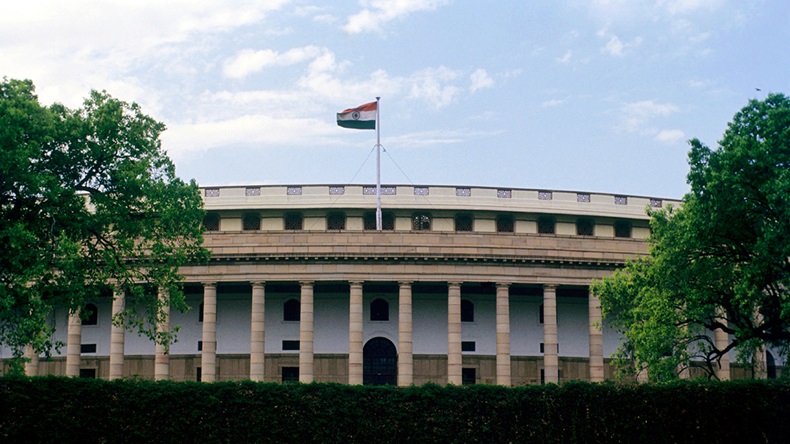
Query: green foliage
x,y
724,255
88,198
86,410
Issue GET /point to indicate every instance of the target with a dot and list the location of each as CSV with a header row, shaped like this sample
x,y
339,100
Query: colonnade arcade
x,y
502,293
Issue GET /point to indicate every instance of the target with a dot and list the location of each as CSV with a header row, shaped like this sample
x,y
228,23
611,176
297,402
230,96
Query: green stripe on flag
x,y
357,124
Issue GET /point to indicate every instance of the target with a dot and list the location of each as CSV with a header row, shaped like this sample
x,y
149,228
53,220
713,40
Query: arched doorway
x,y
379,362
770,365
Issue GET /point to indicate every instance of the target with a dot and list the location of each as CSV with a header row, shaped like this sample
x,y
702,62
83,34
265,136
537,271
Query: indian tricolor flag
x,y
361,117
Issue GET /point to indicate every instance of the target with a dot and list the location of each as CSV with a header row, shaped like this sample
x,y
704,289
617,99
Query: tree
x,y
89,200
724,255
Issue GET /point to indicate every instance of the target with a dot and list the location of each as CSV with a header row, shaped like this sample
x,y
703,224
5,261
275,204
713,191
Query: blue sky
x,y
597,96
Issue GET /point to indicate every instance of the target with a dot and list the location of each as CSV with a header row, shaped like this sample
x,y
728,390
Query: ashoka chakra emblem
x,y
355,115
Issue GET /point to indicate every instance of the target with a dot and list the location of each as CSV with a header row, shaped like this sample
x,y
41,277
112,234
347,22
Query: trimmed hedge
x,y
55,409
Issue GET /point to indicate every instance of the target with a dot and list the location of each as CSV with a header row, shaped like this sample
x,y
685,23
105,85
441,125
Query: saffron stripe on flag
x,y
361,117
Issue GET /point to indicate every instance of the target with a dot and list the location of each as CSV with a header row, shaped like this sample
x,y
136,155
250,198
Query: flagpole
x,y
378,168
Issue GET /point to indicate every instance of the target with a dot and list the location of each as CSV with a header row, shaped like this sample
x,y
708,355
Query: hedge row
x,y
52,409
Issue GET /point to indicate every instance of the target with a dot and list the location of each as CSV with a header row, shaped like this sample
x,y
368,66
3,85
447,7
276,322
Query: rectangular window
x,y
291,345
200,346
198,374
336,221
545,225
468,346
464,222
468,376
251,222
622,229
504,224
87,348
293,221
584,227
290,374
421,222
87,373
387,221
211,222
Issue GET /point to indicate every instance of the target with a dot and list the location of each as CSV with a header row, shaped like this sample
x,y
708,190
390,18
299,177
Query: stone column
x,y
551,370
257,332
405,356
208,357
760,364
117,335
73,344
162,351
722,340
454,361
596,337
642,374
355,372
31,361
503,334
760,360
306,333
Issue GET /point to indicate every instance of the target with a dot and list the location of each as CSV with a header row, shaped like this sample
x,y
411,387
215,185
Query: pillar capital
x,y
550,287
503,284
355,283
257,283
209,284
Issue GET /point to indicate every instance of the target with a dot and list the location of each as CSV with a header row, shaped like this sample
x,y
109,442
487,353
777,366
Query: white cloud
x,y
68,48
552,103
688,6
182,139
634,115
670,136
480,80
248,61
615,47
566,57
379,12
432,86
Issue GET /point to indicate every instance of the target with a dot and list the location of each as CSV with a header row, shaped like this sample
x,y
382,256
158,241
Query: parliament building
x,y
462,285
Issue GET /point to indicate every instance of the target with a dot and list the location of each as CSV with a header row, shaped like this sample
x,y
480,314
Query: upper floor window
x,y
211,222
92,313
379,310
622,229
504,224
584,227
291,310
421,222
546,225
387,221
467,311
293,221
336,221
464,222
251,222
